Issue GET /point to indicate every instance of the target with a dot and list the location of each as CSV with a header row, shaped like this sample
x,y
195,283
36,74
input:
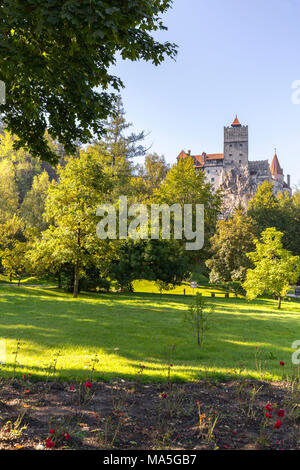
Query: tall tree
x,y
14,260
9,194
55,60
233,239
281,211
25,166
184,185
117,149
274,267
117,143
11,230
150,175
33,206
71,204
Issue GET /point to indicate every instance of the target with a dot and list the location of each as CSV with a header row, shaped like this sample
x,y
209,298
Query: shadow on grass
x,y
142,326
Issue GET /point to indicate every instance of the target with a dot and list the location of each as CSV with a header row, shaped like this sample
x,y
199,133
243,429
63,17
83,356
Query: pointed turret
x,y
275,167
236,122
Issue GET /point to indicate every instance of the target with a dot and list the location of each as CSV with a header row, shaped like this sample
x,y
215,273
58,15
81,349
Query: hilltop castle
x,y
232,172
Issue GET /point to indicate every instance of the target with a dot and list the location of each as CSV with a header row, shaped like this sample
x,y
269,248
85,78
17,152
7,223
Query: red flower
x,y
278,424
268,407
26,391
280,414
164,395
282,363
268,415
88,384
52,431
171,365
49,443
66,436
72,388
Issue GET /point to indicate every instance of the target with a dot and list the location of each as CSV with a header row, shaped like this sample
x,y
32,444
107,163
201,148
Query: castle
x,y
232,172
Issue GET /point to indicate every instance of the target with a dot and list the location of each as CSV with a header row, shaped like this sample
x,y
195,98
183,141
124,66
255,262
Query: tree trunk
x,y
59,281
76,280
279,302
76,267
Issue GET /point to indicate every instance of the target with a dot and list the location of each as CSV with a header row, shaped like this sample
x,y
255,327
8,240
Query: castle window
x,y
230,154
241,154
240,161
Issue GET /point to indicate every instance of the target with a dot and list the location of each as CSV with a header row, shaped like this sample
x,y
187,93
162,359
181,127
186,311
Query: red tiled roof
x,y
215,156
198,159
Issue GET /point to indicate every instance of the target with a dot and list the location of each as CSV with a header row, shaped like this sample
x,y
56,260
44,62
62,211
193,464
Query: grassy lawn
x,y
129,330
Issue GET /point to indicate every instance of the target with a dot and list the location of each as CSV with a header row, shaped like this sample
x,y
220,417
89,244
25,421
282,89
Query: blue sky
x,y
235,56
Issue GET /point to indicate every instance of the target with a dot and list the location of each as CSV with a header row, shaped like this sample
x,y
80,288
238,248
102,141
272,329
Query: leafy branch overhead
x,y
55,58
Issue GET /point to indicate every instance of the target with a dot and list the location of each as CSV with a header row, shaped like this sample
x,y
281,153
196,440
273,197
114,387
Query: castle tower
x,y
235,146
276,170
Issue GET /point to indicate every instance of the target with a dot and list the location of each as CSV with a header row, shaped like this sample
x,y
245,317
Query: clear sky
x,y
235,56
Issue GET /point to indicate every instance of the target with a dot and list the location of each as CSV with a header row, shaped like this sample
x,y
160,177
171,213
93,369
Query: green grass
x,y
129,330
151,288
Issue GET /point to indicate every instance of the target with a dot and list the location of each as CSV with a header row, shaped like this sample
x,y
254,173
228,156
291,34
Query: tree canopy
x,y
232,240
274,267
281,211
55,59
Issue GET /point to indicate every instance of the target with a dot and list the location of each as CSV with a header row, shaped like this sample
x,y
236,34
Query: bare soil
x,y
130,416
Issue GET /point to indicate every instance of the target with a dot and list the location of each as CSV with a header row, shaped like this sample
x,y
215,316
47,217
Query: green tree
x,y
184,185
44,258
117,149
281,211
71,205
14,260
150,176
25,167
233,239
33,206
118,144
9,195
275,268
55,59
11,230
162,261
